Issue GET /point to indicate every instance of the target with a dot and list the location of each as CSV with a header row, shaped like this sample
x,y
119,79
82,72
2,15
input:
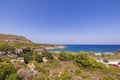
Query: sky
x,y
62,21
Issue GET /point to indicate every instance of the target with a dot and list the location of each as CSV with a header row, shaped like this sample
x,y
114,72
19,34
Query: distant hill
x,y
22,42
12,39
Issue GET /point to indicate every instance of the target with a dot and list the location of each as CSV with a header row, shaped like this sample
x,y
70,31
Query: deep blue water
x,y
94,48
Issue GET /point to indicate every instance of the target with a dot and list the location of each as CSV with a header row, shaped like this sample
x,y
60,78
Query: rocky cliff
x,y
12,39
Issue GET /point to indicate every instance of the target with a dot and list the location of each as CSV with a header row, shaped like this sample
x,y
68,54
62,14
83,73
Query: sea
x,y
87,48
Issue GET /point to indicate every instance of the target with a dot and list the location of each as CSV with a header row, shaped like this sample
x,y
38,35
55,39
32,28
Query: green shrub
x,y
91,54
108,78
65,56
114,69
53,63
83,60
13,77
78,72
4,60
6,47
65,76
40,69
100,66
47,54
27,57
62,56
7,71
41,77
37,57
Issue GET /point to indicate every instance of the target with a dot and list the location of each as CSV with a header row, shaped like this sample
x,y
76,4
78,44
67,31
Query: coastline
x,y
87,48
56,47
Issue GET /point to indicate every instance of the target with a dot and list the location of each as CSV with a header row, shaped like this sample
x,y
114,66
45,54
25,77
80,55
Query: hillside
x,y
12,39
51,66
22,42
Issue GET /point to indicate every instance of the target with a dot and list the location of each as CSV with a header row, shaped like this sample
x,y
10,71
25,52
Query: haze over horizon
x,y
62,21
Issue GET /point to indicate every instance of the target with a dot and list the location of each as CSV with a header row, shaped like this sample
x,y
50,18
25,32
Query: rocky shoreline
x,y
55,47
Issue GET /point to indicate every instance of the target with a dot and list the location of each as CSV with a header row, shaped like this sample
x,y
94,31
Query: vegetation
x,y
45,65
78,72
34,56
41,77
47,54
111,56
38,58
6,47
65,76
32,45
108,78
65,56
8,71
59,66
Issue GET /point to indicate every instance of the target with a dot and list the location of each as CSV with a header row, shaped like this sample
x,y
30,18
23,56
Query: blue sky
x,y
62,21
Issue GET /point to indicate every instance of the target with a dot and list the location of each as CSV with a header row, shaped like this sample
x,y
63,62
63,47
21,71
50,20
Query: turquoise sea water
x,y
94,48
